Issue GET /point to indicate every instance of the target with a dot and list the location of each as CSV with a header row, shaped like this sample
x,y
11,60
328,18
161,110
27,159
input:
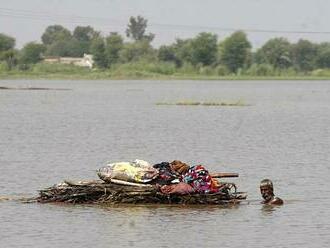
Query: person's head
x,y
267,189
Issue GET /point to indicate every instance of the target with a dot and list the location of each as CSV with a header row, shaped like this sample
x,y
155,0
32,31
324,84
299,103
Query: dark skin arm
x,y
275,201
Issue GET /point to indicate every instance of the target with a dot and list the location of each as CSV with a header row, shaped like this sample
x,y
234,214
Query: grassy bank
x,y
238,103
150,71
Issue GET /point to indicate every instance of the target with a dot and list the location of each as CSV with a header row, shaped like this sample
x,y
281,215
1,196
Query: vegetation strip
x,y
201,57
239,103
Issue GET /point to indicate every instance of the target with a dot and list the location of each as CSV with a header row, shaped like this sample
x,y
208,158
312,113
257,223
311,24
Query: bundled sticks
x,y
99,192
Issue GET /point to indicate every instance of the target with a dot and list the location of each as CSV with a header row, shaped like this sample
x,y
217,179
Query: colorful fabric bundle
x,y
166,175
199,178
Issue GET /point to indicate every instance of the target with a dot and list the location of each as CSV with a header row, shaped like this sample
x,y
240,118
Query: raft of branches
x,y
99,192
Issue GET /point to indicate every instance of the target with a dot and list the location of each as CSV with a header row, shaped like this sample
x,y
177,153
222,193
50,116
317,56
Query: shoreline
x,y
101,76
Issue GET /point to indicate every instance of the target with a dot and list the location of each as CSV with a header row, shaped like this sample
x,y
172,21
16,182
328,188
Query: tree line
x,y
230,56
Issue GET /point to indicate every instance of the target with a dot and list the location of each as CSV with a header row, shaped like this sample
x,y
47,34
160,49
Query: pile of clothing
x,y
195,179
175,177
138,171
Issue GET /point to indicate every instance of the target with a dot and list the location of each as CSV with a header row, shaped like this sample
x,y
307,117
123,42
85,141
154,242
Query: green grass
x,y
145,70
238,103
146,76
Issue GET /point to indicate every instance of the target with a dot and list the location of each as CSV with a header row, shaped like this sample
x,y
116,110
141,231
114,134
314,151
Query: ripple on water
x,y
48,136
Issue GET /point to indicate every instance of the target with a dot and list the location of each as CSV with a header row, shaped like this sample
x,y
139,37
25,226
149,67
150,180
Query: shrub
x,y
206,70
188,68
321,73
222,70
3,67
260,70
288,72
165,68
58,68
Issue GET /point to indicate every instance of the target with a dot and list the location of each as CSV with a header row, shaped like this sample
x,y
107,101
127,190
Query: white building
x,y
86,61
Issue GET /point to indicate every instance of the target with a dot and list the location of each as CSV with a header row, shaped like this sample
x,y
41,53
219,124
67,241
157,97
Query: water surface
x,y
50,135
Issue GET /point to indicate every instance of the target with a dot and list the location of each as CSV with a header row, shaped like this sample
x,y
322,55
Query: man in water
x,y
267,192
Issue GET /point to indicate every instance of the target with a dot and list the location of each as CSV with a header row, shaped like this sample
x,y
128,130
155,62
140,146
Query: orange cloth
x,y
215,183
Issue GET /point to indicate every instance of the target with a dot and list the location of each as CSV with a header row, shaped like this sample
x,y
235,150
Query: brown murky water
x,y
50,135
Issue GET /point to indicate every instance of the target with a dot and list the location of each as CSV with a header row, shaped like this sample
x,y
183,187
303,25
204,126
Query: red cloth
x,y
179,189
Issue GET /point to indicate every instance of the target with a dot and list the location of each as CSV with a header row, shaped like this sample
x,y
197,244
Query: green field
x,y
152,71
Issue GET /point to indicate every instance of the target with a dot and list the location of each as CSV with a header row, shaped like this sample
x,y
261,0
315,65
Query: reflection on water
x,y
49,136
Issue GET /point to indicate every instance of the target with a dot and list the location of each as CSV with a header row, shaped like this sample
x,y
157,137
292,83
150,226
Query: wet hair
x,y
266,183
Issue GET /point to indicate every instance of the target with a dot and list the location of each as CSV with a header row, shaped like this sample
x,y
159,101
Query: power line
x,y
69,20
49,14
245,30
73,19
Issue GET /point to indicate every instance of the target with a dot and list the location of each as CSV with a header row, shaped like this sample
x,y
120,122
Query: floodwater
x,y
283,134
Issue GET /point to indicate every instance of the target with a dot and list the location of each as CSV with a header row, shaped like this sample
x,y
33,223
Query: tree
x,y
323,55
168,54
7,52
204,49
98,51
136,29
31,53
323,60
275,52
183,50
304,55
82,40
77,48
60,42
114,44
55,33
85,34
6,43
10,57
67,48
60,48
137,51
235,51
